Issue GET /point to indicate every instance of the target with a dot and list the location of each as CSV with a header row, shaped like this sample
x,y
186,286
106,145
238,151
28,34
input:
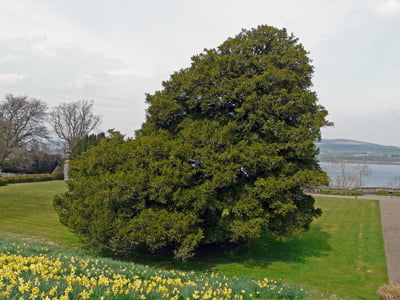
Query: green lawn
x,y
26,211
341,255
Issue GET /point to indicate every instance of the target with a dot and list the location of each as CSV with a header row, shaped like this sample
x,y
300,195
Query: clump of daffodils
x,y
63,277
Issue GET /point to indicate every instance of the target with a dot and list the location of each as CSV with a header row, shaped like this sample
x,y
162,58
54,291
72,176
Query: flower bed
x,y
45,275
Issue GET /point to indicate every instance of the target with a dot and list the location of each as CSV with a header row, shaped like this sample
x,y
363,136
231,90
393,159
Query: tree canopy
x,y
224,155
84,143
72,121
21,125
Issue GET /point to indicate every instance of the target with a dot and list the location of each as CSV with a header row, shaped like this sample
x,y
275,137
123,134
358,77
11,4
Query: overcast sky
x,y
116,51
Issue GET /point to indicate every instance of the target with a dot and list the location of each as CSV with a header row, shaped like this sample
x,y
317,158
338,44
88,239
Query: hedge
x,y
382,193
387,193
343,193
55,175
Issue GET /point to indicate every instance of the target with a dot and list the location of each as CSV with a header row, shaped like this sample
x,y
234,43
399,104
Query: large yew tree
x,y
224,155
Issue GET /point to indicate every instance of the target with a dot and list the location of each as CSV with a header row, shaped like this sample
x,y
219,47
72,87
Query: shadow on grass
x,y
259,252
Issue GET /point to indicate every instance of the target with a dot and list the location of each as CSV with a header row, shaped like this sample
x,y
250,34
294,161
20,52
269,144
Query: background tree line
x,y
34,138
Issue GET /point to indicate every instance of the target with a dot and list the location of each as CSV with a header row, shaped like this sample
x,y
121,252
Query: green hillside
x,y
342,149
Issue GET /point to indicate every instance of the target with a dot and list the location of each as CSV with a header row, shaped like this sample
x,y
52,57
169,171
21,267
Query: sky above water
x,y
115,52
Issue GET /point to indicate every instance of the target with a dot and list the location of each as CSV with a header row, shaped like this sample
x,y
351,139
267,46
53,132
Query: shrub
x,y
58,173
224,154
382,193
343,192
387,193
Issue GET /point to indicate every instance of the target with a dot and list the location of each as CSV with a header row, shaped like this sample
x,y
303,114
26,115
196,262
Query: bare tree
x,y
344,174
21,124
394,182
71,121
363,171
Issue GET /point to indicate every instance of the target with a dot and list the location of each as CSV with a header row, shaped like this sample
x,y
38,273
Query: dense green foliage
x,y
223,155
85,142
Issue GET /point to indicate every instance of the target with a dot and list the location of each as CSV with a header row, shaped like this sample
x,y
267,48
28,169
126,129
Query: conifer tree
x,y
224,155
85,142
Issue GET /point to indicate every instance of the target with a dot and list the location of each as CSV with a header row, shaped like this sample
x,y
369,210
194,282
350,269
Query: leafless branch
x,y
21,123
71,121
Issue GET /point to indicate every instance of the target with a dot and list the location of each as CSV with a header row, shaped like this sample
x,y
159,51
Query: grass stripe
x,y
26,212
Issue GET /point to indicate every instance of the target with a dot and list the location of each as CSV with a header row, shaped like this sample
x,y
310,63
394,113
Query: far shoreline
x,y
370,162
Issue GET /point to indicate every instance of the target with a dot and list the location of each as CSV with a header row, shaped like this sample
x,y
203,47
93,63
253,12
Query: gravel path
x,y
390,216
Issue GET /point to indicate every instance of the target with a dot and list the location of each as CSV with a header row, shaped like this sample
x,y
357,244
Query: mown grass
x,y
26,212
341,255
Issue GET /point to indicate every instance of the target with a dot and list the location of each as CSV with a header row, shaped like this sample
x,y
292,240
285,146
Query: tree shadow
x,y
259,252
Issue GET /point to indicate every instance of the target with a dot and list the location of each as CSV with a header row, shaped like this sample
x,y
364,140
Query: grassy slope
x,y
26,212
342,254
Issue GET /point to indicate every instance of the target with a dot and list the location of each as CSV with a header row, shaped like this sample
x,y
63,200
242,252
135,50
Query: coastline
x,y
369,162
380,174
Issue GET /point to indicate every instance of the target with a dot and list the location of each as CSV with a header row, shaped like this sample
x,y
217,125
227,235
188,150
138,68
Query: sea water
x,y
381,175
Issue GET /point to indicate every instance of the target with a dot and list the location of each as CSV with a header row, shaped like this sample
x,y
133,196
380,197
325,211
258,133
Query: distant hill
x,y
342,149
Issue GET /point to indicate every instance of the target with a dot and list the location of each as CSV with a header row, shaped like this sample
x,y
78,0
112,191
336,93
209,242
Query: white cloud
x,y
116,52
89,80
11,59
388,8
11,78
35,43
121,72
